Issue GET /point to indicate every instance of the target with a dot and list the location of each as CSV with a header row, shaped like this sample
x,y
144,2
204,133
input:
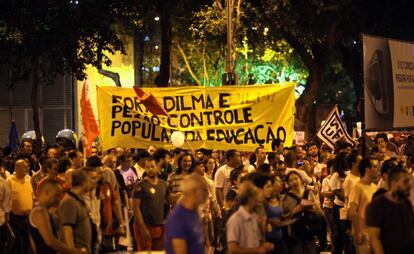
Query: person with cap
x,y
67,139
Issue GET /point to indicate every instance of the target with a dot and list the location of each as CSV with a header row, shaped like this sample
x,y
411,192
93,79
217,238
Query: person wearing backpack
x,y
299,203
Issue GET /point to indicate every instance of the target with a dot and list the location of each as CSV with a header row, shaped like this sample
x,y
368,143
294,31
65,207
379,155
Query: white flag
x,y
333,130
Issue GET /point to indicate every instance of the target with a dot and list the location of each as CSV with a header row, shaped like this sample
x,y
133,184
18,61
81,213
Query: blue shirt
x,y
274,212
184,224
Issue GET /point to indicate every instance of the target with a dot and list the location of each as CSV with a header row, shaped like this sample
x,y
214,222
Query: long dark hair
x,y
341,164
215,166
180,158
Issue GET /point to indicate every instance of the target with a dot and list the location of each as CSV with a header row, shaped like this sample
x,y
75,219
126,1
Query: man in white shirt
x,y
352,178
277,147
128,173
360,197
260,155
222,177
313,157
139,160
291,164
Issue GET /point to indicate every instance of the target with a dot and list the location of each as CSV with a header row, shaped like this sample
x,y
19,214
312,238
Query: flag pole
x,y
362,99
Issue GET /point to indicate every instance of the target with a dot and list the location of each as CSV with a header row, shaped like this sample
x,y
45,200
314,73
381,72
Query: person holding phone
x,y
299,203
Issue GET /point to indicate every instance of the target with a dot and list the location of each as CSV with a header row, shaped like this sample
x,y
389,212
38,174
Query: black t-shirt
x,y
395,221
153,198
379,192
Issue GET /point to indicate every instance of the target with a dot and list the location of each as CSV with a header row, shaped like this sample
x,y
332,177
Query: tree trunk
x,y
304,104
139,58
163,77
353,65
35,104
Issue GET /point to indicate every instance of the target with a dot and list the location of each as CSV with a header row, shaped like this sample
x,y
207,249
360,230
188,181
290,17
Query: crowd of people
x,y
302,199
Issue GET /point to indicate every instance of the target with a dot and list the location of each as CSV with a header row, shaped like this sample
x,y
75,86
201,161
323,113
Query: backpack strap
x,y
298,200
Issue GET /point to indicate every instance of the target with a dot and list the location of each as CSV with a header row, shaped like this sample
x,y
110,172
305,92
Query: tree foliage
x,y
50,37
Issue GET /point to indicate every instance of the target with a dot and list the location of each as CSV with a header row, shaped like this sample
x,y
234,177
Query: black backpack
x,y
308,224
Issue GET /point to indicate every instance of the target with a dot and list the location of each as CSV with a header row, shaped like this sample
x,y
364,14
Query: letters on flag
x,y
333,130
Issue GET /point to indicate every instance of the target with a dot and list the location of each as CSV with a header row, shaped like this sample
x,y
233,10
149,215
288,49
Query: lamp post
x,y
229,77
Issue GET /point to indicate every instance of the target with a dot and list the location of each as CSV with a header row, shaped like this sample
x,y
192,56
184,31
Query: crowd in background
x,y
299,199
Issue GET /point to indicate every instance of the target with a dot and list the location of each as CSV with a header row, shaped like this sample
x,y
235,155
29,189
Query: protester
x,y
42,225
386,168
127,171
274,212
151,150
353,177
338,233
74,218
51,169
389,218
292,164
149,198
391,150
95,151
315,160
5,208
139,160
211,168
175,180
235,181
243,228
41,173
184,229
201,154
77,159
277,148
64,165
328,196
103,202
296,203
162,158
22,203
277,202
360,196
109,161
260,158
210,210
52,152
222,177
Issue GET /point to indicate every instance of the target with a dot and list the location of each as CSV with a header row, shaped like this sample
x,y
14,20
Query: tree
x,y
257,61
53,37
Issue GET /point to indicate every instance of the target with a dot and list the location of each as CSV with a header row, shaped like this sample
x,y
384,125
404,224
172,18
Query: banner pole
x,y
362,99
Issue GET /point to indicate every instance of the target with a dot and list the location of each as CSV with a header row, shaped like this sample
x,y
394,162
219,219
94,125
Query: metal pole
x,y
362,99
229,78
64,79
229,17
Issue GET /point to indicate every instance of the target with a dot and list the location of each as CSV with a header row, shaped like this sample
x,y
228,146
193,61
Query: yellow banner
x,y
222,118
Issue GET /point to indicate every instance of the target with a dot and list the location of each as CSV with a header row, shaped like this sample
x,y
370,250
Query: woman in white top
x,y
336,185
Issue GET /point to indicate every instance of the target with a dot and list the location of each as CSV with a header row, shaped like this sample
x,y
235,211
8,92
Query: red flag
x,y
150,102
90,127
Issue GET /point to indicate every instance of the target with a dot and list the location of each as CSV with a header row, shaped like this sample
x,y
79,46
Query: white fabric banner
x,y
333,130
